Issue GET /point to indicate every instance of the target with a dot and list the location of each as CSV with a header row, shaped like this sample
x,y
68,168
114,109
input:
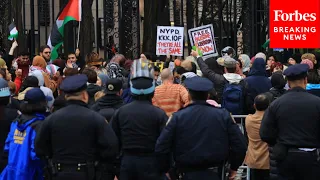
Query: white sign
x,y
169,40
203,38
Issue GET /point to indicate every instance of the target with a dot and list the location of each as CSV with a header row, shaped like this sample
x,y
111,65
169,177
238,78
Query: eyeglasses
x,y
47,52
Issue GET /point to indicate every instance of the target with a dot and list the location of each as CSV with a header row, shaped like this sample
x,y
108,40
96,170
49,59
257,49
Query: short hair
x,y
43,47
261,102
231,70
71,53
23,53
198,96
70,72
91,74
156,69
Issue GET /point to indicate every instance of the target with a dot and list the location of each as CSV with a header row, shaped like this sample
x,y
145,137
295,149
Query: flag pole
x,y
78,35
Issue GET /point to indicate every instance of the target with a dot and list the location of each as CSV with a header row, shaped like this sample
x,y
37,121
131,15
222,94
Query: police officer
x,y
75,137
138,126
292,125
201,136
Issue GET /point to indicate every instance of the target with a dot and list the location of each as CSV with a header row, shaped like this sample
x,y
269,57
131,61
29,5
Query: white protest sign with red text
x,y
169,40
203,38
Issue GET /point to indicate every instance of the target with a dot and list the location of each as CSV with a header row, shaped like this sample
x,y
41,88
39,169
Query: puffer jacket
x,y
273,165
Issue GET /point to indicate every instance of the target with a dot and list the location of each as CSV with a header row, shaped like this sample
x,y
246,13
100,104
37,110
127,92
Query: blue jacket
x,y
202,136
23,164
257,81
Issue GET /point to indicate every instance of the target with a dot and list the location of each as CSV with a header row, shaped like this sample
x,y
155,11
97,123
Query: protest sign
x,y
169,40
203,38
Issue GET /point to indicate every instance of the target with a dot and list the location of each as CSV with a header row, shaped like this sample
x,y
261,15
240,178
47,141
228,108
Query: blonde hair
x,y
98,95
309,56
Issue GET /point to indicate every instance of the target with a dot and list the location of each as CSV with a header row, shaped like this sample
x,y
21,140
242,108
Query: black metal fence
x,y
118,29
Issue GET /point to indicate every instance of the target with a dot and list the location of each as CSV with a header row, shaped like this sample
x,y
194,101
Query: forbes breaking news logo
x,y
294,27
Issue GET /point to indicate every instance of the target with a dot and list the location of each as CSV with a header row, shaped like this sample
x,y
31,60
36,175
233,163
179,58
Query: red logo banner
x,y
294,23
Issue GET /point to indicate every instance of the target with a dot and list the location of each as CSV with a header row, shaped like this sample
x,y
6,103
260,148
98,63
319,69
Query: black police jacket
x,y
138,126
201,135
293,120
107,105
76,134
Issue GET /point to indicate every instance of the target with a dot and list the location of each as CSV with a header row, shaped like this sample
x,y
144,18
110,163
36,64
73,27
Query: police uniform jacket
x,y
293,120
138,126
76,134
201,135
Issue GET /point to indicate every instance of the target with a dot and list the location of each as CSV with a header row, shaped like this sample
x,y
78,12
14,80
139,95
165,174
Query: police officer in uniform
x,y
74,138
201,137
138,126
292,125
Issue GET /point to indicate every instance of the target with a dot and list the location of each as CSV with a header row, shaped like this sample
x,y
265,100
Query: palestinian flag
x,y
71,12
266,44
13,31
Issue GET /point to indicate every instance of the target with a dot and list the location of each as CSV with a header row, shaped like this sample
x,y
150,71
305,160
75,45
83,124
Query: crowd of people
x,y
126,119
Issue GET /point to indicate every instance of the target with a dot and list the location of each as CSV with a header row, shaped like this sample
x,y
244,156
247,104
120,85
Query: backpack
x,y
232,98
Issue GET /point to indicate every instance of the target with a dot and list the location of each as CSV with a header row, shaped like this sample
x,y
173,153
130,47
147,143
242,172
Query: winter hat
x,y
277,80
308,62
261,55
4,88
104,78
40,62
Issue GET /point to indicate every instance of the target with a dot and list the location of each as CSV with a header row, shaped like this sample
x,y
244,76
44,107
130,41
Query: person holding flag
x,y
71,12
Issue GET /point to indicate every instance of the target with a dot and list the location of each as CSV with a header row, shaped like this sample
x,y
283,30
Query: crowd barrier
x,y
242,128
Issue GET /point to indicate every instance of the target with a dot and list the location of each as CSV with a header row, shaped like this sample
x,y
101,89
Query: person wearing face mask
x,y
85,137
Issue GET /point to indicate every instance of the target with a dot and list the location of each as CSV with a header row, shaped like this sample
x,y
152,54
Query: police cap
x,y
198,84
75,83
296,72
113,86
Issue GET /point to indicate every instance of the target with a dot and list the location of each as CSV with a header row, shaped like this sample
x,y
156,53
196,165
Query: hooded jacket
x,y
92,89
257,81
107,105
23,163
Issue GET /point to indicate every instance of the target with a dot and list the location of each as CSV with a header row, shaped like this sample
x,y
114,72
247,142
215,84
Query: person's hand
x,y
77,52
194,53
18,72
232,174
13,47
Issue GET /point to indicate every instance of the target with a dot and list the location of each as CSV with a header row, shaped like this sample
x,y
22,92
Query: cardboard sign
x,y
169,40
203,38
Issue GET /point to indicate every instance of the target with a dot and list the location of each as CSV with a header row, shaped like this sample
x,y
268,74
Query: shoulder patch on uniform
x,y
169,120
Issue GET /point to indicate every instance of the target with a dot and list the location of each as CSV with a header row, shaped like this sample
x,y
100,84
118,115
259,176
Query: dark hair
x,y
27,108
213,95
71,53
231,70
240,63
91,74
43,47
313,77
23,53
274,56
156,69
198,96
261,102
71,72
213,65
3,73
29,81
